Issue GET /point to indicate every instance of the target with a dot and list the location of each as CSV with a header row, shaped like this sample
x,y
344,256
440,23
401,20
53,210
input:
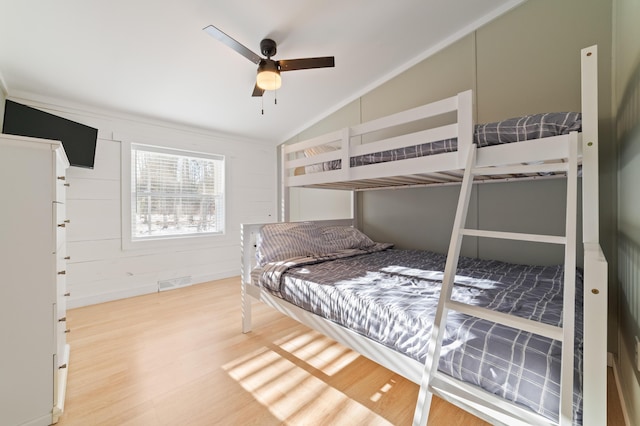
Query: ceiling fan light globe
x,y
269,80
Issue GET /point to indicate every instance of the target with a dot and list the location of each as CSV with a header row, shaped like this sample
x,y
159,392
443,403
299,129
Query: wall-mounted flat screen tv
x,y
78,140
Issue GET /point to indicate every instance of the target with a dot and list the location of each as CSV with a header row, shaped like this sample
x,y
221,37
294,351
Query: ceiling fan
x,y
269,70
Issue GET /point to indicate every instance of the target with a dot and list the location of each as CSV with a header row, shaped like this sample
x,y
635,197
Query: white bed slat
x,y
521,169
425,111
320,158
314,142
417,138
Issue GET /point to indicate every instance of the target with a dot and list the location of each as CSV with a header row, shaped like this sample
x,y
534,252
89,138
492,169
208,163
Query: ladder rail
x,y
569,296
565,333
435,341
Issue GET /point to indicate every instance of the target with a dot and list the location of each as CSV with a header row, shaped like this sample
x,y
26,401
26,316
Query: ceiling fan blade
x,y
306,63
257,91
241,49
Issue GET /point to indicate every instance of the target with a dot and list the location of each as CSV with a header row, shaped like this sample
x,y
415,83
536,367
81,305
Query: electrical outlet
x,y
637,347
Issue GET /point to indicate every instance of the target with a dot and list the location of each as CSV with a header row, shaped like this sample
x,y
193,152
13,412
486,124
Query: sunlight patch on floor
x,y
384,389
290,380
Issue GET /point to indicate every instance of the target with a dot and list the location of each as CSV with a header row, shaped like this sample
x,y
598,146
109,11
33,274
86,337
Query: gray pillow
x,y
527,127
277,242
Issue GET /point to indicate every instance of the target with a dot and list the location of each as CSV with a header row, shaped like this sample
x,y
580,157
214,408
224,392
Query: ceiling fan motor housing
x,y
268,47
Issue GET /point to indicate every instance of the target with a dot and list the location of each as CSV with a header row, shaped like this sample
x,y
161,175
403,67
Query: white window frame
x,y
159,242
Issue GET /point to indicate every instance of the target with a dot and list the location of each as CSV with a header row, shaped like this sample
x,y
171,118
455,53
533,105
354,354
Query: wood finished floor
x,y
179,358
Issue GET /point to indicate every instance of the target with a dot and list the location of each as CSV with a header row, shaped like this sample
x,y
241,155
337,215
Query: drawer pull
x,y
62,225
63,366
67,257
67,294
62,178
68,330
62,273
67,221
62,319
67,185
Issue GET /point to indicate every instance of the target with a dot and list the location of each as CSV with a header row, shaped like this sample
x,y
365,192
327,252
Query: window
x,y
175,193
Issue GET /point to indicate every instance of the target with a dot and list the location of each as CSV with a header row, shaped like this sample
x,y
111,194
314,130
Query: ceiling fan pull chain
x,y
262,101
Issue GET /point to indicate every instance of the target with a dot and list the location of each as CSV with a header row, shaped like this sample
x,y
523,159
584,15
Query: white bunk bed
x,y
532,159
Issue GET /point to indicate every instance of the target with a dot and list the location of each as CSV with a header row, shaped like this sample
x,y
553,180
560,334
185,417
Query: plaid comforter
x,y
391,296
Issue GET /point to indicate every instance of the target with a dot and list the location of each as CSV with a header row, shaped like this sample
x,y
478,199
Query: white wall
x,y
99,269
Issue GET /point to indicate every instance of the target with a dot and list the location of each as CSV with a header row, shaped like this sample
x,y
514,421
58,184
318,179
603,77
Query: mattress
x,y
391,295
517,129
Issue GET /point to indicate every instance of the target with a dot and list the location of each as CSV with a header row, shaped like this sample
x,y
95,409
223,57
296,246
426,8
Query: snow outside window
x,y
175,193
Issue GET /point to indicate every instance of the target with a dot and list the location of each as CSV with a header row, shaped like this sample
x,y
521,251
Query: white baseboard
x,y
93,299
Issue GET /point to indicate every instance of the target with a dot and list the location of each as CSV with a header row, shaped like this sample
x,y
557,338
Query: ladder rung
x,y
520,169
531,326
553,239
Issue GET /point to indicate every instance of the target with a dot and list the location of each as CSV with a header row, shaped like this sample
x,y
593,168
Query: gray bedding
x,y
512,130
391,295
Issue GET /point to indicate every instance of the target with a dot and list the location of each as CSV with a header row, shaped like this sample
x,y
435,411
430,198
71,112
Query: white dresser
x,y
35,356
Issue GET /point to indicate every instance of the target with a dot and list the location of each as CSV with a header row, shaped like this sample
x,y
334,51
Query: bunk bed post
x,y
595,264
246,245
355,210
345,156
465,126
589,91
284,187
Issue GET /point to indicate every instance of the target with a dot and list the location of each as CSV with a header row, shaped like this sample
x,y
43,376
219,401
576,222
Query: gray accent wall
x,y
627,111
526,61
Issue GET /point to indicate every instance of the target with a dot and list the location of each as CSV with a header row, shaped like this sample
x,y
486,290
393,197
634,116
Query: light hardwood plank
x,y
179,357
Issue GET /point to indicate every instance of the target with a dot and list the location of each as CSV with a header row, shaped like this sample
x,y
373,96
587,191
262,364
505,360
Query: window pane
x,y
174,194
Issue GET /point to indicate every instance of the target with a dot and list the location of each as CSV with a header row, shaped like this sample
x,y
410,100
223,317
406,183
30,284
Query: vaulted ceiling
x,y
151,58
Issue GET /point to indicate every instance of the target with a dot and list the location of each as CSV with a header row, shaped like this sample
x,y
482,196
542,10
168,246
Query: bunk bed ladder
x,y
471,398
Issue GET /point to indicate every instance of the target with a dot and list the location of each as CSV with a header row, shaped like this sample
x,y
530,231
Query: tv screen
x,y
79,141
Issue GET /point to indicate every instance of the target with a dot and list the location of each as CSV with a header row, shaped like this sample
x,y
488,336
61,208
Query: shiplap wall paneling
x,y
100,269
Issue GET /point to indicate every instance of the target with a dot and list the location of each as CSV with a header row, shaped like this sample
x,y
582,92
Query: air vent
x,y
174,283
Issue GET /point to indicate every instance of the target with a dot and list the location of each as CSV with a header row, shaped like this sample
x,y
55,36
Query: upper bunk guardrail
x,y
348,142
